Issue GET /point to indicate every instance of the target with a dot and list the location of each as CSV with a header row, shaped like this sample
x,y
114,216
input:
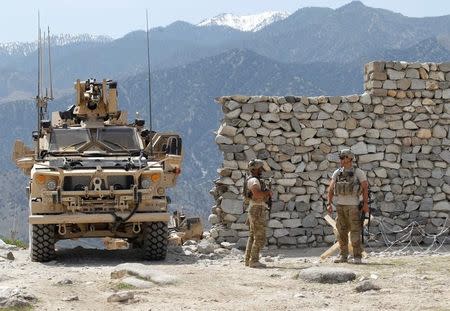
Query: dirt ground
x,y
413,282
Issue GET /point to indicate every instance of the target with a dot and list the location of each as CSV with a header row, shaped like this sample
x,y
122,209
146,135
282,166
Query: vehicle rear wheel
x,y
42,242
155,238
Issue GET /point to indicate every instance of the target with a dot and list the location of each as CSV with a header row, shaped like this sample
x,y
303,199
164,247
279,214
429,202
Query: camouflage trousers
x,y
257,237
349,220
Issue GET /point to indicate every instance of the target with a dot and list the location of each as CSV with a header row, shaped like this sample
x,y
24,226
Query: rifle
x,y
267,187
364,217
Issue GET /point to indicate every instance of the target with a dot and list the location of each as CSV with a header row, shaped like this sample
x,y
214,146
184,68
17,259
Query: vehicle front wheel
x,y
42,242
155,239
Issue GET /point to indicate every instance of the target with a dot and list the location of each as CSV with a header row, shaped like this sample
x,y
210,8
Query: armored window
x,y
118,138
68,139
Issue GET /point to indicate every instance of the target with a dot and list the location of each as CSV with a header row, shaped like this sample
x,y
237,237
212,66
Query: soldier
x,y
258,195
347,183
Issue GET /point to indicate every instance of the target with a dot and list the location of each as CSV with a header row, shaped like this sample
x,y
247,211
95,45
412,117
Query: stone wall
x,y
399,130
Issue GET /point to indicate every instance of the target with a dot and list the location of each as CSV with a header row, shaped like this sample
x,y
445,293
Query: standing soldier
x,y
347,183
257,194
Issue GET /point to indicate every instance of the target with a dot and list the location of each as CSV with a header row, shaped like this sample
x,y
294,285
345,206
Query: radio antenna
x,y
149,85
41,99
39,56
38,97
50,65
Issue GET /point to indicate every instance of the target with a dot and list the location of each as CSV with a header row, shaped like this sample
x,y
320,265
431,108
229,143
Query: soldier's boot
x,y
340,259
257,264
357,261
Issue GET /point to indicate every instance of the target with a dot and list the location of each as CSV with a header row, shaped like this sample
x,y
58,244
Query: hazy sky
x,y
115,18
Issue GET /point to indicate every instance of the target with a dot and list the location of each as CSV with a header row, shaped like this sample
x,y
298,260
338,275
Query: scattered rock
x,y
15,298
366,285
70,298
227,245
64,282
221,251
374,276
206,247
7,255
143,272
327,275
121,297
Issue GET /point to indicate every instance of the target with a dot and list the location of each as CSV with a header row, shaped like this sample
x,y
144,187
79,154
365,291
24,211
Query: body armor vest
x,y
347,183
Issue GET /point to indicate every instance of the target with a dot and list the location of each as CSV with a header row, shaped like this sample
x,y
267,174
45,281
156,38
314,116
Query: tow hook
x,y
136,228
62,229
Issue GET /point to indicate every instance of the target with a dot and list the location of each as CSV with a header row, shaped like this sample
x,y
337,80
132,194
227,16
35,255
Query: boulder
x,y
330,275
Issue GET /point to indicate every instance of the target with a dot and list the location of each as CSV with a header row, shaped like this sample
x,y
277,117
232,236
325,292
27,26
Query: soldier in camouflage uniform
x,y
346,186
257,196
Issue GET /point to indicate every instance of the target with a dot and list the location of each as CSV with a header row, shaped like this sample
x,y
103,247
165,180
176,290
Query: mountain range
x,y
252,22
314,51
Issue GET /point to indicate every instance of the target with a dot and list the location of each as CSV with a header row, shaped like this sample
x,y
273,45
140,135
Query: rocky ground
x,y
205,277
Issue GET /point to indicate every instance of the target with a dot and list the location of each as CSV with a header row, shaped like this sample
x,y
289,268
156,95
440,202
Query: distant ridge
x,y
25,48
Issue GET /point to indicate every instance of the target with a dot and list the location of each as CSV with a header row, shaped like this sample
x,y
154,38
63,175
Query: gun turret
x,y
96,100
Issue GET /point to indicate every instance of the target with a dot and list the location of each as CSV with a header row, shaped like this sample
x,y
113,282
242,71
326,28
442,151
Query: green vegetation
x,y
15,242
124,286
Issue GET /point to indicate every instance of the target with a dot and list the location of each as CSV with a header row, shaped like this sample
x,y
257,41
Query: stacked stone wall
x,y
399,130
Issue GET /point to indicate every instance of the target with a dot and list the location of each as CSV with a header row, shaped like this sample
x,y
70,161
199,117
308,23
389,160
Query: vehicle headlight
x,y
145,183
51,185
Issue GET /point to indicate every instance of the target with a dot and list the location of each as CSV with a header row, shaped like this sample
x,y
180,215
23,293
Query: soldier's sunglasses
x,y
343,157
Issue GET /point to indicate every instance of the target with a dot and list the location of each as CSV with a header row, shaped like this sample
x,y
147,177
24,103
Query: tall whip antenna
x,y
41,98
149,85
39,56
39,86
50,65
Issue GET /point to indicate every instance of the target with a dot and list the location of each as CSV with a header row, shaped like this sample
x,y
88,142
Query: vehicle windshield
x,y
118,138
68,139
111,139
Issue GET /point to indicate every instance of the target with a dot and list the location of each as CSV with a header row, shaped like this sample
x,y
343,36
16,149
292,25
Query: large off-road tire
x,y
42,242
155,239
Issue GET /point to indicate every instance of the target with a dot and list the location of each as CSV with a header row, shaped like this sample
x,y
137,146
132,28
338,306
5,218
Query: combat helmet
x,y
347,153
255,164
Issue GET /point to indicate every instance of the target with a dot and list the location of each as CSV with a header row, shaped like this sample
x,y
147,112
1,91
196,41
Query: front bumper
x,y
80,218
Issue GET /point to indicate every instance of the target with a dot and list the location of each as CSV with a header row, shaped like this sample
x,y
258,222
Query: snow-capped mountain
x,y
245,22
25,48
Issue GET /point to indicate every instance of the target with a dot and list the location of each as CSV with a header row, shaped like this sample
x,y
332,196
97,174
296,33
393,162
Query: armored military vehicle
x,y
92,174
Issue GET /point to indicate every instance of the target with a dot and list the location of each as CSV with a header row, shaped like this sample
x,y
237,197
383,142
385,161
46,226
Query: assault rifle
x,y
267,186
364,216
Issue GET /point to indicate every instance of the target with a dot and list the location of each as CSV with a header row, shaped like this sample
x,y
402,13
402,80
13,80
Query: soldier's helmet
x,y
346,153
255,164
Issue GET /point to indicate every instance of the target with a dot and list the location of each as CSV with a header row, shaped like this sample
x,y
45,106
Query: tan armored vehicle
x,y
94,175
